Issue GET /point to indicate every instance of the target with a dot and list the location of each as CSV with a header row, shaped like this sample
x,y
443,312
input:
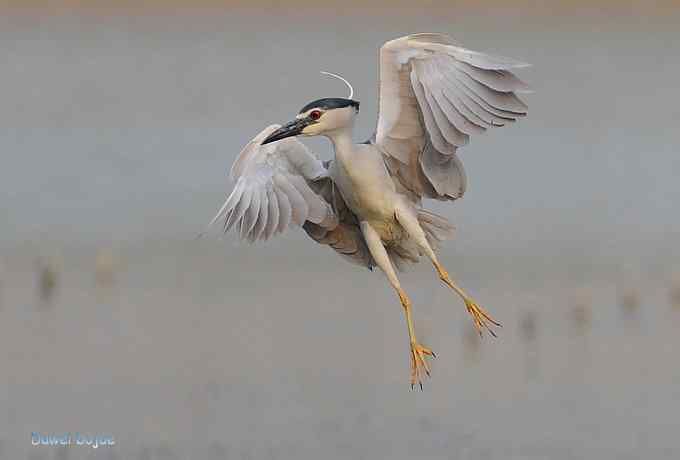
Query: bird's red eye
x,y
315,114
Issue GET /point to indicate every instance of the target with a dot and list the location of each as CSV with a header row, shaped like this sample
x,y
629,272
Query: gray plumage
x,y
367,202
433,96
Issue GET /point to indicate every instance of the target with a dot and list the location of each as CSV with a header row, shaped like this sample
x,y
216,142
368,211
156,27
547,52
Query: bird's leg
x,y
480,316
419,353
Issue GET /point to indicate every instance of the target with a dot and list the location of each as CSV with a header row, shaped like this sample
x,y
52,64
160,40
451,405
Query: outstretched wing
x,y
283,184
433,96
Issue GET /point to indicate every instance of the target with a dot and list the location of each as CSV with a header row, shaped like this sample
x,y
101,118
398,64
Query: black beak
x,y
293,128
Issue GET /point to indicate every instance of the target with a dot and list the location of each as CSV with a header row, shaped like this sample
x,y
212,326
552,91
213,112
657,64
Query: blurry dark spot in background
x,y
581,313
472,343
675,291
105,267
2,283
528,331
528,327
47,280
629,300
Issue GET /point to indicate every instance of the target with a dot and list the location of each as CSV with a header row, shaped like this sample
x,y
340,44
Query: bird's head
x,y
320,117
317,118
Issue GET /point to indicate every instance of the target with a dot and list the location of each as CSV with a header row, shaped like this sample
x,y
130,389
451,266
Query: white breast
x,y
364,182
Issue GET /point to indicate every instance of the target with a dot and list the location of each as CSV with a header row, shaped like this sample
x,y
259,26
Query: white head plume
x,y
351,90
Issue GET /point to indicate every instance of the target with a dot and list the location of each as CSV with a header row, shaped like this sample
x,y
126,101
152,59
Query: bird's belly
x,y
369,192
376,205
390,230
368,200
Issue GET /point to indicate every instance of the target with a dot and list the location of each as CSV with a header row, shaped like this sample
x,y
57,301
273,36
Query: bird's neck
x,y
342,141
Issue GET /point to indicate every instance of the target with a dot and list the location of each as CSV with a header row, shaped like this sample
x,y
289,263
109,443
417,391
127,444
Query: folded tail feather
x,y
437,228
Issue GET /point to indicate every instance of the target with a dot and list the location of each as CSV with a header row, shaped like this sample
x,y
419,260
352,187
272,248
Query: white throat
x,y
342,140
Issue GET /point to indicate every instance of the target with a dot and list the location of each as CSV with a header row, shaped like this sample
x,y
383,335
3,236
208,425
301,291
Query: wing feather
x,y
456,112
274,213
284,184
298,205
228,206
433,130
471,123
453,136
499,80
317,209
285,210
503,115
240,209
250,216
262,216
272,190
435,94
501,100
476,109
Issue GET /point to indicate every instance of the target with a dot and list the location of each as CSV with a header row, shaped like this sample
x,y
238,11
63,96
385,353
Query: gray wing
x,y
433,96
283,184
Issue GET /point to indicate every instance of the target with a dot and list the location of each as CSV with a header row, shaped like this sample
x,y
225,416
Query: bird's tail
x,y
436,227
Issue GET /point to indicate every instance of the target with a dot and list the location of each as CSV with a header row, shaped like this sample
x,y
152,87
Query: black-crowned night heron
x,y
366,203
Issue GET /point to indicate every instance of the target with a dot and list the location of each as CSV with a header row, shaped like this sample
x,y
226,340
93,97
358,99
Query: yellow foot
x,y
481,318
419,363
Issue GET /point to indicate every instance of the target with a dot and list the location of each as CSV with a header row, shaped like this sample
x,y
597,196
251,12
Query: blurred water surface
x,y
116,137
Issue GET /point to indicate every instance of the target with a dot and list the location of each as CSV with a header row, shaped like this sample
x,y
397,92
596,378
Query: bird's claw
x,y
419,363
481,318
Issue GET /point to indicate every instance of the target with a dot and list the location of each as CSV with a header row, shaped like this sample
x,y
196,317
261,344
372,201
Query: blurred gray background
x,y
117,132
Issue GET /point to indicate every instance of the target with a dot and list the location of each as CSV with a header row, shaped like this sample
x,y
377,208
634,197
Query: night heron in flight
x,y
367,202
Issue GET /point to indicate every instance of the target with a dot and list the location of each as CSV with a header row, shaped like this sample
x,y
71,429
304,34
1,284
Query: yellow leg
x,y
418,352
481,318
410,222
